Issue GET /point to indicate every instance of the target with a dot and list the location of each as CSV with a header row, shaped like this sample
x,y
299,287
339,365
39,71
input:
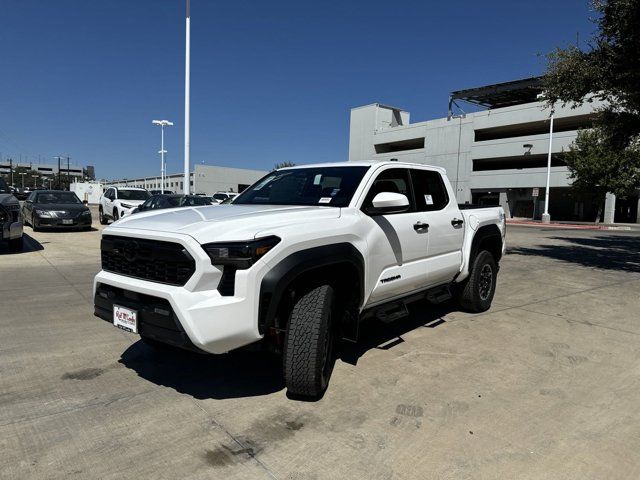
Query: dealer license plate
x,y
125,318
67,221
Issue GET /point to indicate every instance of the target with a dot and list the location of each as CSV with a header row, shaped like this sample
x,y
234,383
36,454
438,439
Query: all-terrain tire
x,y
309,344
16,245
476,292
103,220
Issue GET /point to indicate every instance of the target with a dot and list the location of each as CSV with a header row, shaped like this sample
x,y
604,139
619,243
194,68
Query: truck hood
x,y
223,222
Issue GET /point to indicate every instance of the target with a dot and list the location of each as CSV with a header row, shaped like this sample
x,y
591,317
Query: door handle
x,y
457,222
420,227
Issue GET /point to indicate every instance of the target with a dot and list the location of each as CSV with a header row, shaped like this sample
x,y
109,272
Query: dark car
x,y
160,192
158,202
10,221
55,209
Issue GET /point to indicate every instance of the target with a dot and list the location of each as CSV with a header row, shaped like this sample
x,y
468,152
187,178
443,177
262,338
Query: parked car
x,y
158,202
116,202
20,193
10,219
297,260
220,197
55,209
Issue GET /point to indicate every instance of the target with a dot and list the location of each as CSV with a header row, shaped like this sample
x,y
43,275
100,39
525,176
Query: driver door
x,y
398,242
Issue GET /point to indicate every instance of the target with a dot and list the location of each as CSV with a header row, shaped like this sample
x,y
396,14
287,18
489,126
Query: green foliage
x,y
608,71
595,167
283,165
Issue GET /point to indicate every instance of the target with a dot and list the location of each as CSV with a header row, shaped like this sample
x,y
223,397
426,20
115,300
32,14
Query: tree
x,y
283,165
609,70
596,168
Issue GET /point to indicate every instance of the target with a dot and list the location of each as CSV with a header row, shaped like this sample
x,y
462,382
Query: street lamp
x,y
35,185
187,97
546,218
162,123
22,175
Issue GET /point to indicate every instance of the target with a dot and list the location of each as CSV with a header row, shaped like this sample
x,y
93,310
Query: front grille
x,y
153,260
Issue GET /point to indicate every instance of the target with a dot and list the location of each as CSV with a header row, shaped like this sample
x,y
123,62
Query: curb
x,y
572,226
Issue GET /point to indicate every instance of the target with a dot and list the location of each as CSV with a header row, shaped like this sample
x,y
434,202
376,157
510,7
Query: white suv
x,y
116,202
297,260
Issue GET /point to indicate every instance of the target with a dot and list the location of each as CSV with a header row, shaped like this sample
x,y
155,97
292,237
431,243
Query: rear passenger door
x,y
438,208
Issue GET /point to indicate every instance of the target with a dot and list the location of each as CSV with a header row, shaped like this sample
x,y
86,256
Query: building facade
x,y
43,169
496,156
205,179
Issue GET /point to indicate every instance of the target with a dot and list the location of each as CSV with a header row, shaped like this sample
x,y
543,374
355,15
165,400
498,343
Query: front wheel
x,y
103,219
115,215
309,343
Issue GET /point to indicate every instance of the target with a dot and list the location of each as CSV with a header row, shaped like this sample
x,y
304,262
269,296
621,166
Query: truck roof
x,y
367,163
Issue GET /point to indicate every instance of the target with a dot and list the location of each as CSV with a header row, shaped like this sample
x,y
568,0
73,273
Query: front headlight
x,y
240,255
127,205
86,213
44,213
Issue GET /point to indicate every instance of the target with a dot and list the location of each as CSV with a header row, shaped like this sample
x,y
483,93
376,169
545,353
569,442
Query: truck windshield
x,y
323,186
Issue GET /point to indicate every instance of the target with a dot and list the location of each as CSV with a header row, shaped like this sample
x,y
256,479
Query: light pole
x,y
35,185
22,175
162,123
187,75
546,218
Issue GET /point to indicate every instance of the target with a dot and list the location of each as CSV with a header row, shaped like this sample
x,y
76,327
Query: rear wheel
x,y
477,292
16,245
103,219
309,343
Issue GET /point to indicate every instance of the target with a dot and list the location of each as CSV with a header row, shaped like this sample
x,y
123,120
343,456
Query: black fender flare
x,y
275,283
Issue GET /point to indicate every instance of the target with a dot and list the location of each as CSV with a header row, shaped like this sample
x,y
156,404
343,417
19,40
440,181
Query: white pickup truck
x,y
297,260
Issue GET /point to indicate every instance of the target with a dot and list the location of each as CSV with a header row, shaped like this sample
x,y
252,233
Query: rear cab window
x,y
430,191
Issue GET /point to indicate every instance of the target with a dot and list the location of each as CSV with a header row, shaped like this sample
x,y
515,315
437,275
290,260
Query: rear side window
x,y
429,189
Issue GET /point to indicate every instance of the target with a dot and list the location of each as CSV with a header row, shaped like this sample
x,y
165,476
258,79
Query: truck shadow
x,y
374,334
30,245
236,374
608,252
246,373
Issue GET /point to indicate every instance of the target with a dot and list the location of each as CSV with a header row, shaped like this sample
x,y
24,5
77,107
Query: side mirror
x,y
388,202
85,202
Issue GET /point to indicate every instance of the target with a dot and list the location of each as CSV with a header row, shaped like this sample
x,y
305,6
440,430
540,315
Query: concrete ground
x,y
544,385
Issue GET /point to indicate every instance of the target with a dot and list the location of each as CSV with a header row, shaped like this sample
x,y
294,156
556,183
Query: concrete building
x,y
206,179
496,156
43,169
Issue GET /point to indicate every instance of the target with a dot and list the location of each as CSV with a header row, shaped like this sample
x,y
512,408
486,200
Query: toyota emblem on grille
x,y
129,250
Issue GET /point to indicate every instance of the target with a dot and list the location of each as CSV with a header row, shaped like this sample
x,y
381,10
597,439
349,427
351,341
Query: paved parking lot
x,y
544,385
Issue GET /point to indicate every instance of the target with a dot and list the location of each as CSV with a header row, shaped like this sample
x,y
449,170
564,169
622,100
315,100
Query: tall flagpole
x,y
187,75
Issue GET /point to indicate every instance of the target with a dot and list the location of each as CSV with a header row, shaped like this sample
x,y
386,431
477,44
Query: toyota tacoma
x,y
297,261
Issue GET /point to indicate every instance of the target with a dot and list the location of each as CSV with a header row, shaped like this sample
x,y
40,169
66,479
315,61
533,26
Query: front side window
x,y
319,186
429,189
394,180
133,195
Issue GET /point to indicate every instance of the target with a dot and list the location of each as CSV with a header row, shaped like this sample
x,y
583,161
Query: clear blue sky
x,y
271,81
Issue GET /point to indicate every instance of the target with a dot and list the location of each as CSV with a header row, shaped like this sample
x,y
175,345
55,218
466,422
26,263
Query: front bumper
x,y
211,322
78,222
